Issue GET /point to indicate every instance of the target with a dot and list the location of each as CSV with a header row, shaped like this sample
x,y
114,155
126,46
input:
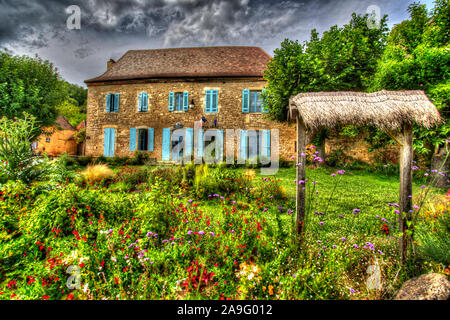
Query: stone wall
x,y
158,116
356,148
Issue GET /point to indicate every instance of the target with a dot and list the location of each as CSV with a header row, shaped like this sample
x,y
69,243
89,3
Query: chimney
x,y
109,64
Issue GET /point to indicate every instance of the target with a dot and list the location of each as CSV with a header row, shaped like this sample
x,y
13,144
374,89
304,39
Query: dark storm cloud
x,y
109,28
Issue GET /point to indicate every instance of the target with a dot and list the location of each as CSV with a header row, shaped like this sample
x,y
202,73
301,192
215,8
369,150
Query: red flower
x,y
45,297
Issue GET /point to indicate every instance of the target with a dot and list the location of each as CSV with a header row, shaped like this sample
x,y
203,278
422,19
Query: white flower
x,y
250,276
86,287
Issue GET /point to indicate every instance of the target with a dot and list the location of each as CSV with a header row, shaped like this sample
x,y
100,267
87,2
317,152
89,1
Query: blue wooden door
x,y
109,142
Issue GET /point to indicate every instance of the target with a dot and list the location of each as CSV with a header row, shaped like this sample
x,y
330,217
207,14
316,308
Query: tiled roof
x,y
62,122
188,63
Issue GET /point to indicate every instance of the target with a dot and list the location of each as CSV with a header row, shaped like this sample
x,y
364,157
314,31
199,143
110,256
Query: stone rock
x,y
432,286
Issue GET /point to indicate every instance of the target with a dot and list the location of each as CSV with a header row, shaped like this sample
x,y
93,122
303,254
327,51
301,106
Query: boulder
x,y
432,286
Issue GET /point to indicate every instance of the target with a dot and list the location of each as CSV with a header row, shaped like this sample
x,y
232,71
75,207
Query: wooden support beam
x,y
404,139
301,175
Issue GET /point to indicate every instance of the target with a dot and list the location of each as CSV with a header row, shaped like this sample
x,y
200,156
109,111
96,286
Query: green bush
x,y
17,159
84,160
434,241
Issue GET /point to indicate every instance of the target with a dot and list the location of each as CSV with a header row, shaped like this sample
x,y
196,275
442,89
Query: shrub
x,y
131,176
84,160
17,160
140,158
97,173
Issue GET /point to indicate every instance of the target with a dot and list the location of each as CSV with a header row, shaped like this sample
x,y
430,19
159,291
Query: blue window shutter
x,y
215,100
185,101
132,139
144,101
220,145
243,145
140,102
166,144
151,138
108,102
189,144
264,108
111,142
266,143
245,100
200,144
171,101
207,102
106,142
116,102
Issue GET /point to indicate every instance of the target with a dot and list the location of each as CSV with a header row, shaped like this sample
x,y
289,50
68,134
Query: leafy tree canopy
x,y
29,85
417,57
344,58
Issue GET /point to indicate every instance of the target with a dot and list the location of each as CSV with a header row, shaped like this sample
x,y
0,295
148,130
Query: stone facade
x,y
229,114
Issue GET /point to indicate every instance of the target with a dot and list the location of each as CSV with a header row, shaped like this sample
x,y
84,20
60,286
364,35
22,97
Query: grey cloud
x,y
109,28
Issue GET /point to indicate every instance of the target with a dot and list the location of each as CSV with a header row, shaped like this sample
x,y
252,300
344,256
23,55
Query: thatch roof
x,y
388,110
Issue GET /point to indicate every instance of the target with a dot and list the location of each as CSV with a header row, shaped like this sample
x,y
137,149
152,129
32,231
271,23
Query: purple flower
x,y
201,232
355,211
352,290
343,239
333,174
423,187
341,216
190,232
289,211
293,157
355,246
212,234
321,223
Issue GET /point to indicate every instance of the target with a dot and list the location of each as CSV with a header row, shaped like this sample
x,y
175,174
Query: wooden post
x,y
404,139
301,173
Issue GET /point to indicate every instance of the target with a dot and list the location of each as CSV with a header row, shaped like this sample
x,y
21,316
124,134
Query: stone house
x,y
58,140
145,99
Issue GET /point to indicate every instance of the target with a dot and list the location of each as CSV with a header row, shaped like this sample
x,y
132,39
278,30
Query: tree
x,y
29,85
345,58
417,57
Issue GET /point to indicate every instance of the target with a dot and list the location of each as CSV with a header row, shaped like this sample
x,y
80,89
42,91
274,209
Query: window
x,y
177,150
179,101
255,101
211,101
144,137
143,102
112,102
252,101
254,144
142,140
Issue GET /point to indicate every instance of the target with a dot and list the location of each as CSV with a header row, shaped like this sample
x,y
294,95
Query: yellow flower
x,y
264,288
271,290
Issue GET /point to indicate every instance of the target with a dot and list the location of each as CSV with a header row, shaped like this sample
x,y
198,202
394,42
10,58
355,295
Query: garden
x,y
121,228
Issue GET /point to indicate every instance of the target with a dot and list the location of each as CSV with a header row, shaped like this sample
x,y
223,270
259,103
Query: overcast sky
x,y
109,28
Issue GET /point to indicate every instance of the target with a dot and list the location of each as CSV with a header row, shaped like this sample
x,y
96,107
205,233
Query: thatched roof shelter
x,y
387,110
395,112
